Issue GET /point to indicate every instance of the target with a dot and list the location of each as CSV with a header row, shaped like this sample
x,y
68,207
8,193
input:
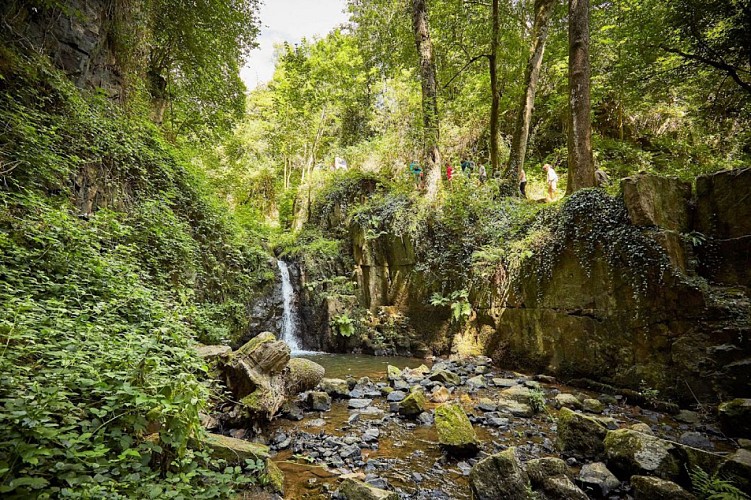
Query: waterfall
x,y
289,318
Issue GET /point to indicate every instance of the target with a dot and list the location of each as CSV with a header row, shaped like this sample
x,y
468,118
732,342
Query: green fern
x,y
714,487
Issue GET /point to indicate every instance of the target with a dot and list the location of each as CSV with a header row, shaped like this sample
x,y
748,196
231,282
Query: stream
x,y
390,451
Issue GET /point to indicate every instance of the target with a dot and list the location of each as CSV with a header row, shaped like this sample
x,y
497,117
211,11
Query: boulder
x,y
643,428
212,353
335,387
396,396
413,405
455,432
393,373
564,400
518,393
234,451
737,468
579,435
593,406
653,200
446,377
358,404
499,476
505,382
515,408
735,417
654,488
595,478
477,382
561,488
631,453
540,469
319,401
302,375
352,489
275,477
440,395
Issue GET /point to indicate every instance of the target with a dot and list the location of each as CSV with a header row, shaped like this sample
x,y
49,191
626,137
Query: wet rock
x,y
350,451
446,377
477,382
546,379
515,408
499,476
318,401
425,418
737,468
359,403
417,477
496,421
396,396
413,405
518,393
401,385
335,387
486,404
634,453
653,488
565,400
505,382
593,406
579,435
317,422
455,432
371,435
440,395
735,417
696,440
377,481
642,427
234,451
688,417
540,469
302,375
352,489
561,488
370,410
393,373
353,419
596,479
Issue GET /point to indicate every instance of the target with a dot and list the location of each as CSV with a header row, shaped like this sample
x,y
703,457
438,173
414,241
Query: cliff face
x,y
660,299
78,38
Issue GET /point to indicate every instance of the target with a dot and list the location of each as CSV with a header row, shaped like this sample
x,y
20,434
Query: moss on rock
x,y
455,432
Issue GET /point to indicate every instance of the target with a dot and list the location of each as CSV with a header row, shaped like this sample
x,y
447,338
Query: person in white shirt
x,y
523,183
552,181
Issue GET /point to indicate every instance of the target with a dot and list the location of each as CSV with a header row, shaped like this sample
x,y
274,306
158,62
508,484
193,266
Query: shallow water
x,y
405,448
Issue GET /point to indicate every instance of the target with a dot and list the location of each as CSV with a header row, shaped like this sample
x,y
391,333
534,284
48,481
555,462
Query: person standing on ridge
x,y
483,174
552,180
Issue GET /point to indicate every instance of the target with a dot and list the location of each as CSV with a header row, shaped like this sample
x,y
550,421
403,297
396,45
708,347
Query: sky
x,y
289,20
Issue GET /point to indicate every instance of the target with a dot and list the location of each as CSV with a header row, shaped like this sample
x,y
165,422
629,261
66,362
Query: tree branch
x,y
469,63
731,70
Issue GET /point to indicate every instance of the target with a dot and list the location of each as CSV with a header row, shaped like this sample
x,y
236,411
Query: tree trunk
x,y
581,171
432,170
543,9
495,103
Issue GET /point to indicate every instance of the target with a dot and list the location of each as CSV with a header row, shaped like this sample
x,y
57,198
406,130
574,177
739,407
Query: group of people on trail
x,y
468,168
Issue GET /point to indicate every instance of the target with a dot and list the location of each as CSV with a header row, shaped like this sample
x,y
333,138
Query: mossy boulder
x,y
265,353
455,432
413,404
565,400
540,469
654,488
631,453
499,476
446,377
519,393
352,489
318,401
335,387
302,375
562,488
735,417
737,468
234,451
580,435
596,478
393,373
275,477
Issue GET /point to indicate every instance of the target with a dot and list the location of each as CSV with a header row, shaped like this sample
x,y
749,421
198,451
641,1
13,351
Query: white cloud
x,y
289,21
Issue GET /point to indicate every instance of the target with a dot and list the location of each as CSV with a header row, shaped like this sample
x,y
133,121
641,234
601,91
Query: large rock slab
x,y
652,200
580,436
654,488
265,353
446,377
455,432
738,469
735,417
234,451
631,453
352,489
303,375
595,478
499,476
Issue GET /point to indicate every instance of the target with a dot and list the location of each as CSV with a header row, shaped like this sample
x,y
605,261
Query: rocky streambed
x,y
462,428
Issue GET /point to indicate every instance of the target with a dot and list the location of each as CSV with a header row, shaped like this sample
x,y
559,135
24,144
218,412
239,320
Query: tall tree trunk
x,y
495,103
543,9
581,171
432,170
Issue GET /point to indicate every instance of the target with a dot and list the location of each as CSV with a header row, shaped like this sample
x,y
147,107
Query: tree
x,y
543,9
581,172
424,44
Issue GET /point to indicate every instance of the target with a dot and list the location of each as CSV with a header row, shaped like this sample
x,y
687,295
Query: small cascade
x,y
289,318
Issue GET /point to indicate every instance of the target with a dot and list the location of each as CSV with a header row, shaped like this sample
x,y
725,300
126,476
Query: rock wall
x,y
78,38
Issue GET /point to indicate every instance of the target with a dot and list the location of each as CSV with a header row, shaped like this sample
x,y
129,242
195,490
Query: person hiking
x,y
449,172
523,182
416,170
483,174
552,180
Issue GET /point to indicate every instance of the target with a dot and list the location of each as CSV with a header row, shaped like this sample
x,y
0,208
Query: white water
x,y
289,318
